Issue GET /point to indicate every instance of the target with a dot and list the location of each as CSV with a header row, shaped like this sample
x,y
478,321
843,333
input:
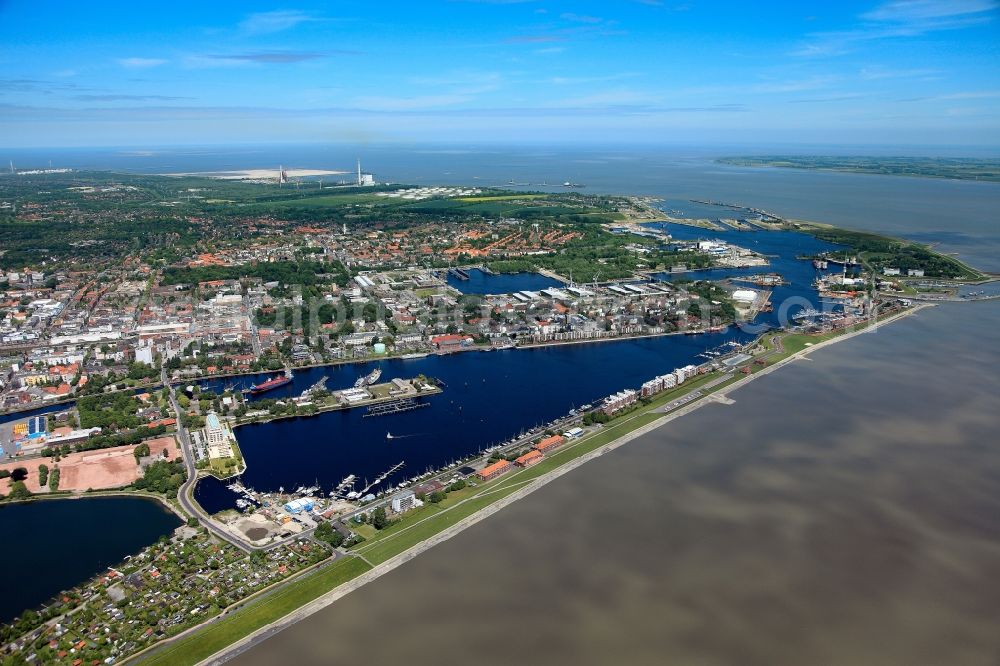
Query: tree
x,y
437,496
379,519
43,474
326,532
141,451
19,491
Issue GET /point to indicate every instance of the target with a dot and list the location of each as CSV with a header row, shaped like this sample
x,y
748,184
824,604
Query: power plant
x,y
364,179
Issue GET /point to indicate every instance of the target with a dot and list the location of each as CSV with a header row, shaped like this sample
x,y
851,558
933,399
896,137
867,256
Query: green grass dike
x,y
221,633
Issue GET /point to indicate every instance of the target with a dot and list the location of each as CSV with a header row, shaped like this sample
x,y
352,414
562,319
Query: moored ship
x,y
368,379
270,385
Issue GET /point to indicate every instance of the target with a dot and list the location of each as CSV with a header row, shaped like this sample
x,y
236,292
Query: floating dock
x,y
395,407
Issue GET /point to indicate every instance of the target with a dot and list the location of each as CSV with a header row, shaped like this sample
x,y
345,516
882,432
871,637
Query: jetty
x,y
762,280
395,407
393,395
382,477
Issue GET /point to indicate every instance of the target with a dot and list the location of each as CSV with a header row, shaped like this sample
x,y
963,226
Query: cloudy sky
x,y
905,72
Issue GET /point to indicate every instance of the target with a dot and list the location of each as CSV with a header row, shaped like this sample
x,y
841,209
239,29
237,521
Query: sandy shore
x,y
259,174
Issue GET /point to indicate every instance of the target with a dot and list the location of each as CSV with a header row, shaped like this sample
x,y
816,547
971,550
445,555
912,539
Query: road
x,y
185,495
254,335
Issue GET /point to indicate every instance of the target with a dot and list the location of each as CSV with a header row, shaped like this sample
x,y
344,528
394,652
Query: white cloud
x,y
606,98
580,18
276,21
382,103
141,63
924,11
968,94
798,85
877,73
901,18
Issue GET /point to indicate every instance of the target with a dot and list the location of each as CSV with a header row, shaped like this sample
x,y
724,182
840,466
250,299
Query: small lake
x,y
53,545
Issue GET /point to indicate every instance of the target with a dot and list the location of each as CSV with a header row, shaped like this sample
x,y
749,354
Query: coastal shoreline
x,y
383,568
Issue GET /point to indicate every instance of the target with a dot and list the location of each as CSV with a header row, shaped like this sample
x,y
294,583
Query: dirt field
x,y
107,468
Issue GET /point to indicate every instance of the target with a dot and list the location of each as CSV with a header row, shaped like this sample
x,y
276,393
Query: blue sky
x,y
900,72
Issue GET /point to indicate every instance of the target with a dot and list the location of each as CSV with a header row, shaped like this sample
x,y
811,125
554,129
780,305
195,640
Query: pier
x,y
395,407
762,280
382,477
390,397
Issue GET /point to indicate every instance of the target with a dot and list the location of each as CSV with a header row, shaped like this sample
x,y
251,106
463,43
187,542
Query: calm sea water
x,y
53,545
845,510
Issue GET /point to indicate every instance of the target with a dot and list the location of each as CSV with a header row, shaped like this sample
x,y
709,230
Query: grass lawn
x,y
216,636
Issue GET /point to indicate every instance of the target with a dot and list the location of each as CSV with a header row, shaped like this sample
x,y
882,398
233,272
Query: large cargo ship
x,y
270,385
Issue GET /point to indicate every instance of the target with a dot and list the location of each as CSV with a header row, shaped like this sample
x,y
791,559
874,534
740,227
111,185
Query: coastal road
x,y
254,335
185,495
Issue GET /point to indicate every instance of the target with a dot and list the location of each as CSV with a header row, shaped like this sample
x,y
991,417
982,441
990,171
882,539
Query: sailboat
x,y
388,435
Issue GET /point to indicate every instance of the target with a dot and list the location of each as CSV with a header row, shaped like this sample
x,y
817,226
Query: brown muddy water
x,y
845,510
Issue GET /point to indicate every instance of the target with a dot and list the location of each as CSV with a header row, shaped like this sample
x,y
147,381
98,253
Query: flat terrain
x,y
926,167
92,470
